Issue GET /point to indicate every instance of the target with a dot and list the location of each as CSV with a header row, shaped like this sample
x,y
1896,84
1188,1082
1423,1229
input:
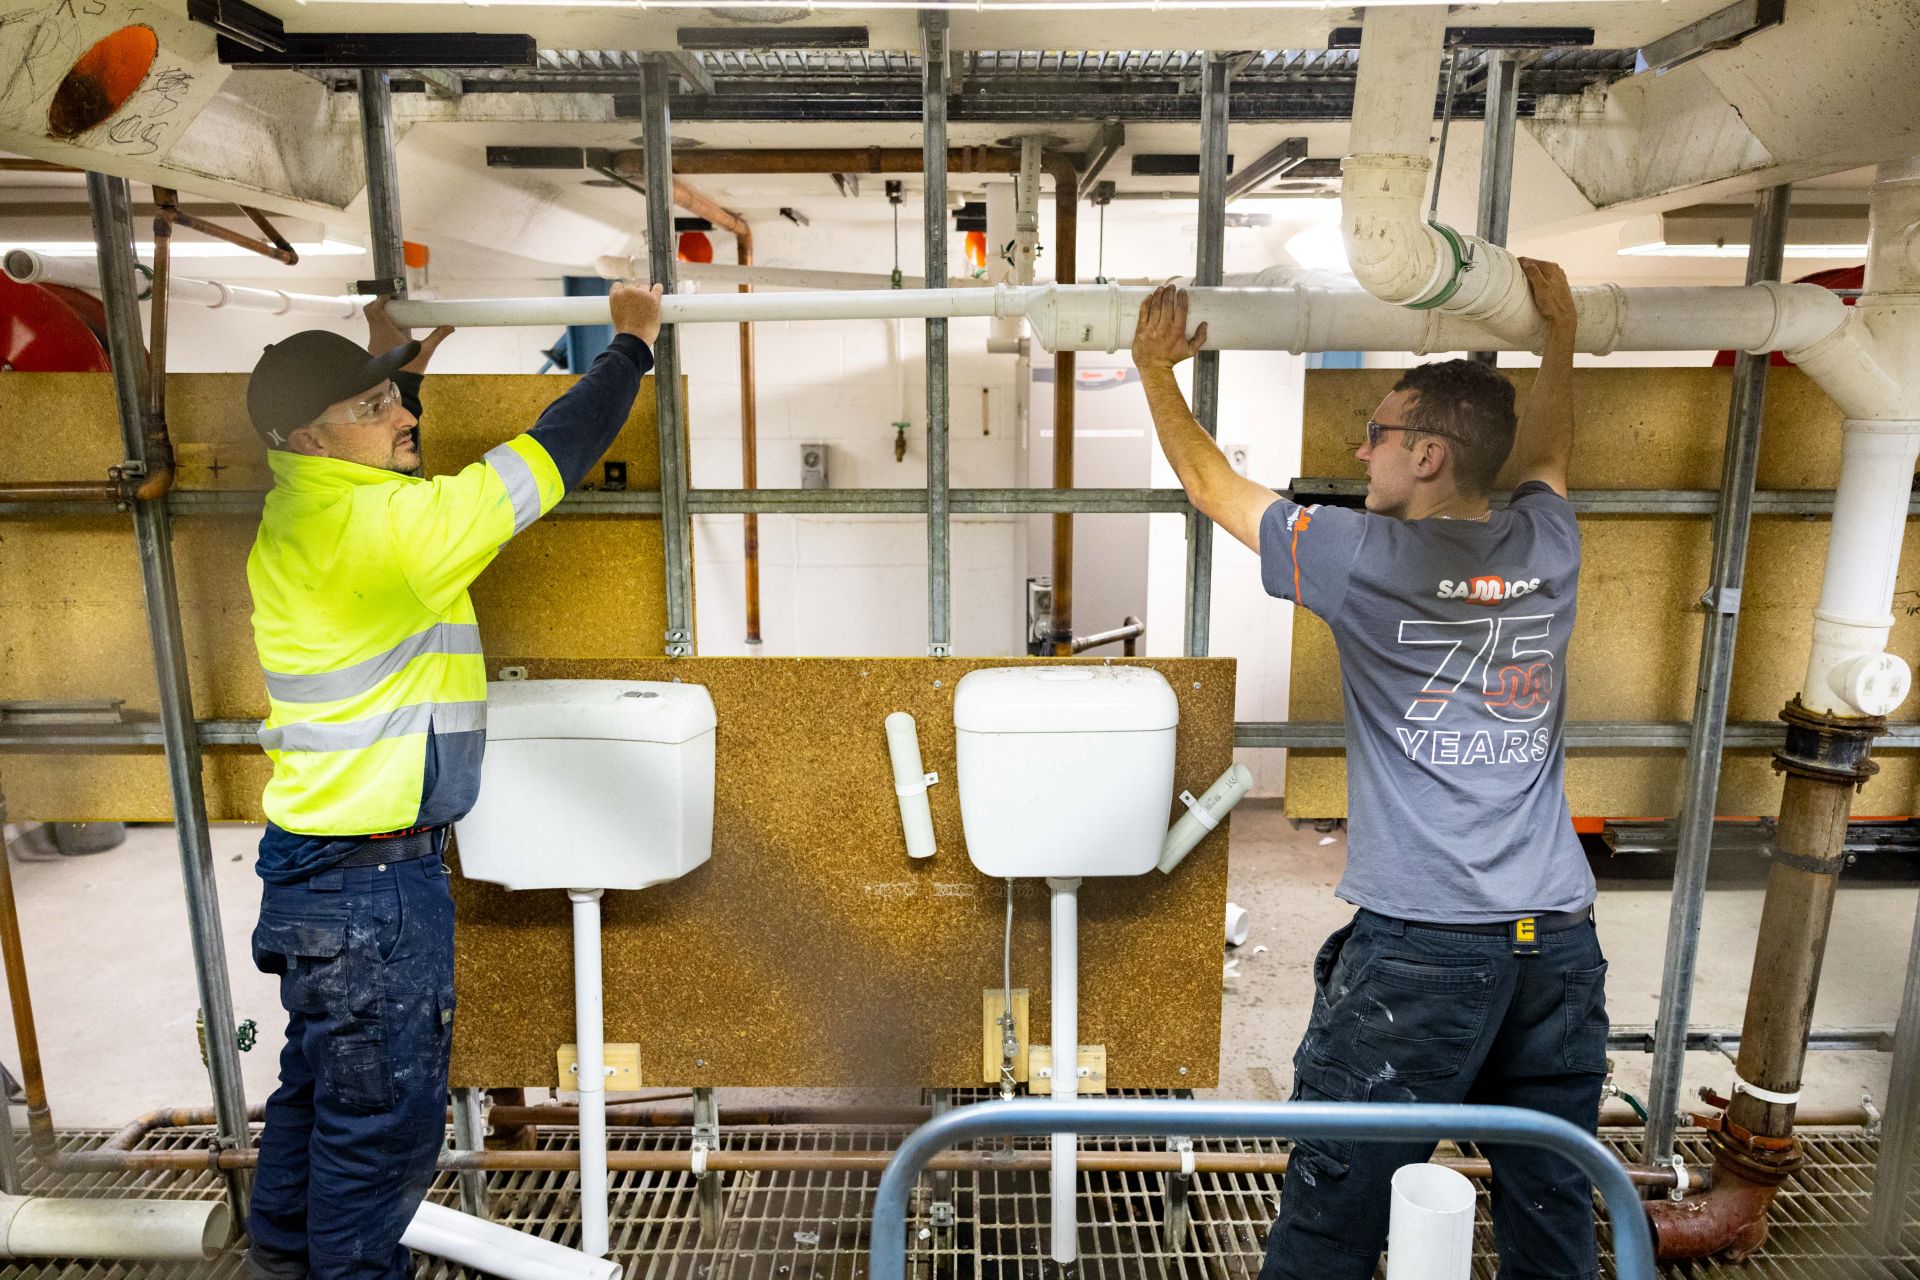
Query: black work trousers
x,y
1410,1013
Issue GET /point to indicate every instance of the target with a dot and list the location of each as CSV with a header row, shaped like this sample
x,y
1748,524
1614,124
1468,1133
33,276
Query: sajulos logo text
x,y
1487,589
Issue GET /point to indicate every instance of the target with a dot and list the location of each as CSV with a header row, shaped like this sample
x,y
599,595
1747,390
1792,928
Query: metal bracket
x,y
1725,600
1873,1113
706,1139
939,651
940,1210
679,643
386,288
1175,1213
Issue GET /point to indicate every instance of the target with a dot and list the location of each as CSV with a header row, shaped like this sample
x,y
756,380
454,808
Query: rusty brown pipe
x,y
1824,760
1066,235
167,205
26,1035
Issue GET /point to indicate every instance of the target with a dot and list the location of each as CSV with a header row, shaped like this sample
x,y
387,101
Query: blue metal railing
x,y
1360,1122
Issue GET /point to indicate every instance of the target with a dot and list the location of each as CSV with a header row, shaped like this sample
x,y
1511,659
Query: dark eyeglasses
x,y
1375,430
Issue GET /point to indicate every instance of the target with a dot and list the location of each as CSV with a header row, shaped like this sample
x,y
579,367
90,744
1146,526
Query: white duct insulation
x,y
499,1251
1430,1224
589,1034
910,783
24,266
1298,318
1203,815
123,1230
1066,1061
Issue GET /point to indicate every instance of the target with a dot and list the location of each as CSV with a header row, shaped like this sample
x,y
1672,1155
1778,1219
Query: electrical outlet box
x,y
813,466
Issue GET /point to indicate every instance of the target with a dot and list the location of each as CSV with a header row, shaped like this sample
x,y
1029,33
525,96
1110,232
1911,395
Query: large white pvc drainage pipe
x,y
1066,1061
1430,1230
24,266
589,1033
1768,317
126,1230
497,1250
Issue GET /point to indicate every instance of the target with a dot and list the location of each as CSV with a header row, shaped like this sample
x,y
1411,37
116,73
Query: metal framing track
x,y
788,1226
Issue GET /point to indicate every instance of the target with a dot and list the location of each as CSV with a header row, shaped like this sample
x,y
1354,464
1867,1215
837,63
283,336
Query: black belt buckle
x,y
1525,936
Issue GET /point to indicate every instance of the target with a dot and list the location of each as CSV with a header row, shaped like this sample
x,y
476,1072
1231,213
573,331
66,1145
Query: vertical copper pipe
x,y
13,955
1066,234
749,447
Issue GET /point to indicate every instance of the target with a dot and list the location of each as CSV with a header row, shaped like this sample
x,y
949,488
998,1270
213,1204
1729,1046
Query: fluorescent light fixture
x,y
1661,249
187,249
1835,231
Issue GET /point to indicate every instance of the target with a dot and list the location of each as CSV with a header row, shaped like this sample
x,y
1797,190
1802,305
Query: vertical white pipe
x,y
1393,107
1066,1059
910,784
1848,671
589,1033
1430,1227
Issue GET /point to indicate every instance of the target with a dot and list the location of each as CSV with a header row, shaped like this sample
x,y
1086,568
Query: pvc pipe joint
x,y
1203,815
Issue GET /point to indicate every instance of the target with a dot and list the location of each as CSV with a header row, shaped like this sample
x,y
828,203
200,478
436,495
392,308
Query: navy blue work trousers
x,y
1405,1013
365,958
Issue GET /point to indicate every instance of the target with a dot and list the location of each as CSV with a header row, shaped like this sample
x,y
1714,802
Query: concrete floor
x,y
113,989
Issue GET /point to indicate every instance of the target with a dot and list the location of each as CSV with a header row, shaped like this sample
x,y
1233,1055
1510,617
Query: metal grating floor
x,y
812,1226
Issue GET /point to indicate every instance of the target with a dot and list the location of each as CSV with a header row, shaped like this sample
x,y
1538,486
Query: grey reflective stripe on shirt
x,y
442,717
522,488
348,682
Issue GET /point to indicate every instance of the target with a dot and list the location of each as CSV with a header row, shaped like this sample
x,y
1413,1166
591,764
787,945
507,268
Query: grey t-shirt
x,y
1452,637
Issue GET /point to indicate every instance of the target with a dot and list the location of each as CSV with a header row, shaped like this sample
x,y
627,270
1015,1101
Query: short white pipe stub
x,y
1430,1231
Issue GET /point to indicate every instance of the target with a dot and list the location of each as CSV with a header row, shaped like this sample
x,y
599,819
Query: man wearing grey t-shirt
x,y
1470,971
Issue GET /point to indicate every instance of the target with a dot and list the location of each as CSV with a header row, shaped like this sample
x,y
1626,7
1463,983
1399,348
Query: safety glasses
x,y
369,408
1375,430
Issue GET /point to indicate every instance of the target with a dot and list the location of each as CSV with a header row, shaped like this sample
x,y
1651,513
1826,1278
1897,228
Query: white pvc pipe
x,y
1849,672
1430,1224
24,266
910,780
1294,318
124,1230
497,1250
1203,815
589,1034
612,267
1066,1060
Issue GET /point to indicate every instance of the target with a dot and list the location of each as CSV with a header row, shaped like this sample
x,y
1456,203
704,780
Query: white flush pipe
x,y
24,266
1871,368
589,1035
1203,815
498,1250
1296,318
1430,1224
122,1230
1066,1060
910,783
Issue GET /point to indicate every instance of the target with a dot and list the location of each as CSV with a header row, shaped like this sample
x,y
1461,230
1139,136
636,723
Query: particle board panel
x,y
73,624
1636,648
811,950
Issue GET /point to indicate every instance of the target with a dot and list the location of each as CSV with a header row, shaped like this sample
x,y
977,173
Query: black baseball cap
x,y
294,381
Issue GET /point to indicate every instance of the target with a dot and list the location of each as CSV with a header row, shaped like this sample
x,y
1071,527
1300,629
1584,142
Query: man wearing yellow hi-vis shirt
x,y
377,695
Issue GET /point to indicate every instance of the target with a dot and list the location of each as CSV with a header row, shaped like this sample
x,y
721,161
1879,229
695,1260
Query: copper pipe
x,y
14,164
169,208
642,1115
159,478
14,957
715,160
272,233
724,1161
103,491
1066,234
